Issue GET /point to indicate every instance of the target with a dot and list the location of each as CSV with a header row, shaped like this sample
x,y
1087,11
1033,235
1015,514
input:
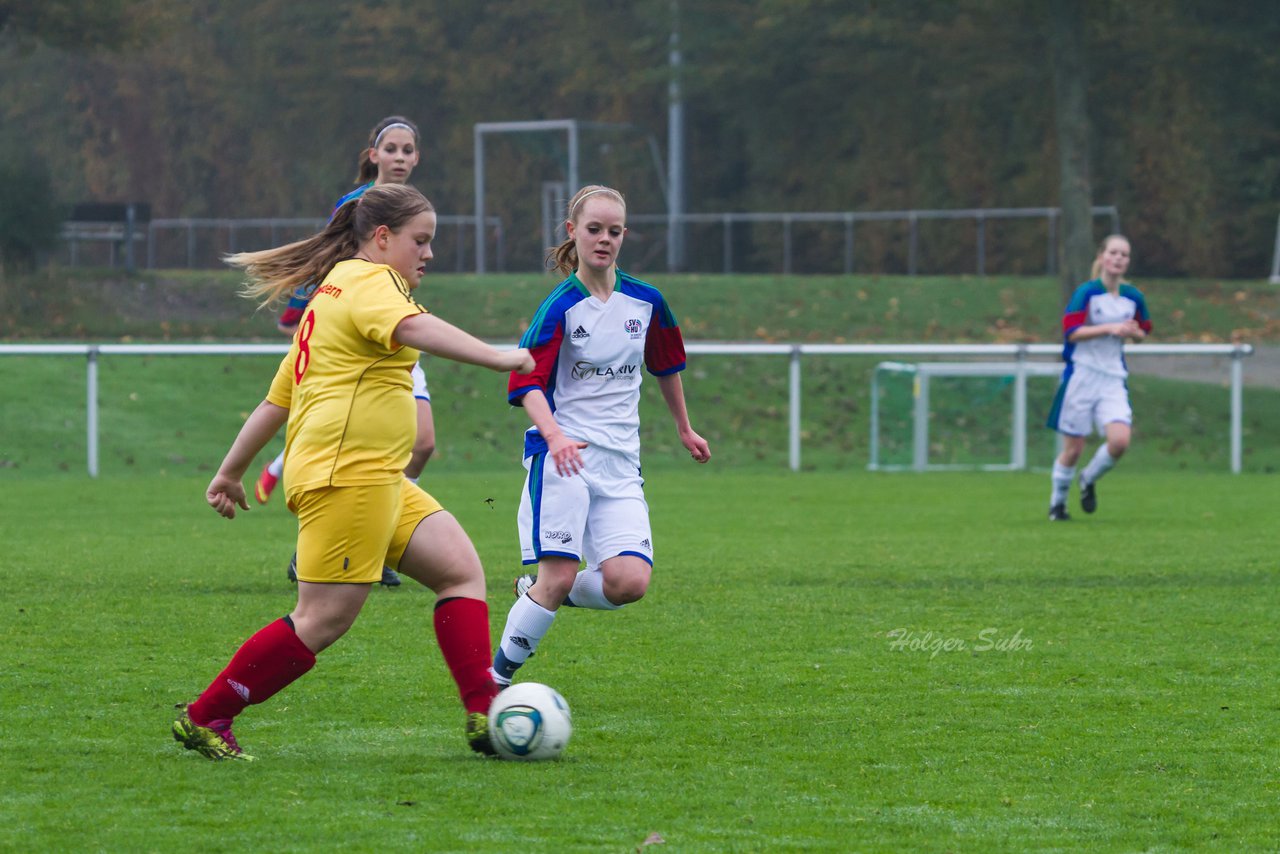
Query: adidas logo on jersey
x,y
579,334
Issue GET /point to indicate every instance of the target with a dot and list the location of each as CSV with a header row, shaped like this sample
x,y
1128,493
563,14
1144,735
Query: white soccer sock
x,y
527,624
1101,463
588,591
276,467
1062,476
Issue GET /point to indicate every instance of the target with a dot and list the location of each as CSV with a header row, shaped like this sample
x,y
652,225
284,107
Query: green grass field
x,y
795,680
829,660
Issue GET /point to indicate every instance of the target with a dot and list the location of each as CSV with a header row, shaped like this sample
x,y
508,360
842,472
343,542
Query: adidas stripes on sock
x,y
527,624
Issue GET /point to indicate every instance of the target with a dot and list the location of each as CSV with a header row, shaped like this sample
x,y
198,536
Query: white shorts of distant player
x,y
594,515
1091,399
420,384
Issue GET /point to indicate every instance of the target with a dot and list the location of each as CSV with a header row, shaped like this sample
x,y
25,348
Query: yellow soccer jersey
x,y
347,383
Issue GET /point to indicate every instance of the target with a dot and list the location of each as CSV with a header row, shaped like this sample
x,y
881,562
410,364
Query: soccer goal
x,y
938,416
1275,257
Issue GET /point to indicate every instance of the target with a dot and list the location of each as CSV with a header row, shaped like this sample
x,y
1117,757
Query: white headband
x,y
592,193
391,126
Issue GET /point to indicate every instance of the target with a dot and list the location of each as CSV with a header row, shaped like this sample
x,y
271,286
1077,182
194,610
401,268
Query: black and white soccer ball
x,y
529,721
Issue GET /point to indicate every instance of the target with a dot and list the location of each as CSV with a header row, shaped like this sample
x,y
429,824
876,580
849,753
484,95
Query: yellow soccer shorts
x,y
346,534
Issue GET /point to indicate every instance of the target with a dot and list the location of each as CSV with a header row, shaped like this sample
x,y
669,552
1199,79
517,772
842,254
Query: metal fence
x,y
1020,353
745,243
200,243
845,224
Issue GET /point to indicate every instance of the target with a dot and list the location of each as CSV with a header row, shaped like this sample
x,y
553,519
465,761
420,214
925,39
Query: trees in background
x,y
243,108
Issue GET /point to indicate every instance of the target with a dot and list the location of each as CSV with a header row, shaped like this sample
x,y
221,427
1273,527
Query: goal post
x,y
1275,257
992,386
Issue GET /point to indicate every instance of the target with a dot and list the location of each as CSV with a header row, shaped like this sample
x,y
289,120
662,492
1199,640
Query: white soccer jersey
x,y
589,356
1090,305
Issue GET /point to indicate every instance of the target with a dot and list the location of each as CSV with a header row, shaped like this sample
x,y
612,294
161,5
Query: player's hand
x,y
1130,329
522,361
566,453
697,446
224,494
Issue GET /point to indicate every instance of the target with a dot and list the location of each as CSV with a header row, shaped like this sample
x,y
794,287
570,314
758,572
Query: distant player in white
x,y
1101,315
583,497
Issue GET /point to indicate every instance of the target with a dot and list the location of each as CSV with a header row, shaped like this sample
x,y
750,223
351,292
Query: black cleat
x,y
1088,497
1058,513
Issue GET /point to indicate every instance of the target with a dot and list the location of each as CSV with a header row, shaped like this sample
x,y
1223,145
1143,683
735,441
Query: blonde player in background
x,y
1102,314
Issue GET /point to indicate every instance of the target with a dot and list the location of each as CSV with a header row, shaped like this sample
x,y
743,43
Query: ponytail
x,y
276,273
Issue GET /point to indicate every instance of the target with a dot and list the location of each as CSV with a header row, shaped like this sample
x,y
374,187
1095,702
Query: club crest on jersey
x,y
633,327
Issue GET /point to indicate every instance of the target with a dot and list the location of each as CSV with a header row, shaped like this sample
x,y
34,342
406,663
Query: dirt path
x,y
1260,369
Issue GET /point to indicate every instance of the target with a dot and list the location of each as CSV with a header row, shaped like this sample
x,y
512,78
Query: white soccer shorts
x,y
594,515
1090,400
420,383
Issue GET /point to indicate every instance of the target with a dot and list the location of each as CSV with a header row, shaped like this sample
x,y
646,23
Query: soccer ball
x,y
529,721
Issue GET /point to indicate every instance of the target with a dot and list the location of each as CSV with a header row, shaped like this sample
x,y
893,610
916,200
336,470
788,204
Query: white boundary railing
x,y
795,353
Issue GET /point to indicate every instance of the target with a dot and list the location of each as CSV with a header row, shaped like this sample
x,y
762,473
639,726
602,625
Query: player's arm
x,y
294,309
673,393
424,443
564,452
1120,329
226,490
430,334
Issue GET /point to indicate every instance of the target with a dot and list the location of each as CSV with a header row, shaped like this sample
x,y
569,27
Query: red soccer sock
x,y
264,665
462,630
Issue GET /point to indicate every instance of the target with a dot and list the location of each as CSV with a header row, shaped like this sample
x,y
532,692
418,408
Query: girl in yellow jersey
x,y
344,390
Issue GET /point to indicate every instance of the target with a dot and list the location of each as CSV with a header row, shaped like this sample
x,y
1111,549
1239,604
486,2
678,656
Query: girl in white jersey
x,y
1103,313
583,497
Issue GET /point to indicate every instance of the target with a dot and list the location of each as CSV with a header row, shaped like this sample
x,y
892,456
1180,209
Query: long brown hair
x,y
366,171
564,258
276,273
1102,247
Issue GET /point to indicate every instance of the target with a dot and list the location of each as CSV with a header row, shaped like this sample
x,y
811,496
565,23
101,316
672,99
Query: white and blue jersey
x,y
588,358
1093,392
1092,305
